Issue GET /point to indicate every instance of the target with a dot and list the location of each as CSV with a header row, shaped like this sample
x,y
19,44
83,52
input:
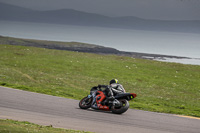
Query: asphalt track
x,y
65,113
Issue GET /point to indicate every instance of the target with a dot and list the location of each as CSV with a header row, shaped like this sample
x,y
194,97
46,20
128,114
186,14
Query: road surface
x,y
65,113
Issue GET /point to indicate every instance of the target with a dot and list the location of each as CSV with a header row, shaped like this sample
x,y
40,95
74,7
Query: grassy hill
x,y
79,47
71,46
160,86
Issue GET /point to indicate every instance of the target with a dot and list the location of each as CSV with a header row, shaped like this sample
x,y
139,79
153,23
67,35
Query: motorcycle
x,y
97,100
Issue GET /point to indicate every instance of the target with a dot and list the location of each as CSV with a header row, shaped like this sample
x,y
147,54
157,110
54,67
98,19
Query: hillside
x,y
73,17
79,47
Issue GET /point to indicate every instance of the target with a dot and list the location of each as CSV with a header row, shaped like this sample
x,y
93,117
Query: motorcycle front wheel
x,y
85,103
123,108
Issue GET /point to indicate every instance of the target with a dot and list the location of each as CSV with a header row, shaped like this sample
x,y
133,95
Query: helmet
x,y
114,81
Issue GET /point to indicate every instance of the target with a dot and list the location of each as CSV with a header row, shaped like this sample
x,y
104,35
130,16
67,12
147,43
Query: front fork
x,y
94,105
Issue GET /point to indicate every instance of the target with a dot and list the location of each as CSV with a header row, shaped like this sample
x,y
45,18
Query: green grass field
x,y
160,86
11,126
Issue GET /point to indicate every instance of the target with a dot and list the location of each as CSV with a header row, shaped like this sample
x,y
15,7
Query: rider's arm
x,y
118,89
122,88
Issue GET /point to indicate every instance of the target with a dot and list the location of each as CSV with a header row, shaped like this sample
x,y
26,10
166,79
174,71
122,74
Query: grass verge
x,y
160,86
11,126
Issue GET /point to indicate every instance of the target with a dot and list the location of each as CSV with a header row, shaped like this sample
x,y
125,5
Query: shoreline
x,y
90,48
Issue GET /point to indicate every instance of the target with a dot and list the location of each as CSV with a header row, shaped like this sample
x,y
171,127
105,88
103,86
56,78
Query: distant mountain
x,y
63,16
74,17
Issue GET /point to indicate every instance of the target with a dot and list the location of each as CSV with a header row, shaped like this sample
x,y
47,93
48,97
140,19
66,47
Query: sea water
x,y
153,42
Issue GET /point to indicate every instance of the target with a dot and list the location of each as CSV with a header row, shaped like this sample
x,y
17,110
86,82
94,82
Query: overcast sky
x,y
149,9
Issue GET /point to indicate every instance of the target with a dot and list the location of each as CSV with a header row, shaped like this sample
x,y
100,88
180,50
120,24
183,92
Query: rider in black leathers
x,y
113,89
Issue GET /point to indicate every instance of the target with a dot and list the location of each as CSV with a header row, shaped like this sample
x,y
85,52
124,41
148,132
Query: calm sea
x,y
167,43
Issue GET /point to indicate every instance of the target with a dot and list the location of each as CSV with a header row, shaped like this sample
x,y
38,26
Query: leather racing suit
x,y
112,90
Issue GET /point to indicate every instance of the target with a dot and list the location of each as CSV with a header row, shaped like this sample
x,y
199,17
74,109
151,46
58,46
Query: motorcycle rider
x,y
113,89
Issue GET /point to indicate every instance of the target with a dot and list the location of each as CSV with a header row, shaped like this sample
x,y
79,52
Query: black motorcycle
x,y
97,100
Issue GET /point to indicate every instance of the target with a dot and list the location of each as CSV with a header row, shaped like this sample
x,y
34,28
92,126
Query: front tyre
x,y
123,108
85,103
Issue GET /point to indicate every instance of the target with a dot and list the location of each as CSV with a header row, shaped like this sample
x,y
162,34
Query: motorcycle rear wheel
x,y
121,109
85,103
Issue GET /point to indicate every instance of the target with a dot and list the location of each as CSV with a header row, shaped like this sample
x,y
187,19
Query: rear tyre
x,y
123,108
85,103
